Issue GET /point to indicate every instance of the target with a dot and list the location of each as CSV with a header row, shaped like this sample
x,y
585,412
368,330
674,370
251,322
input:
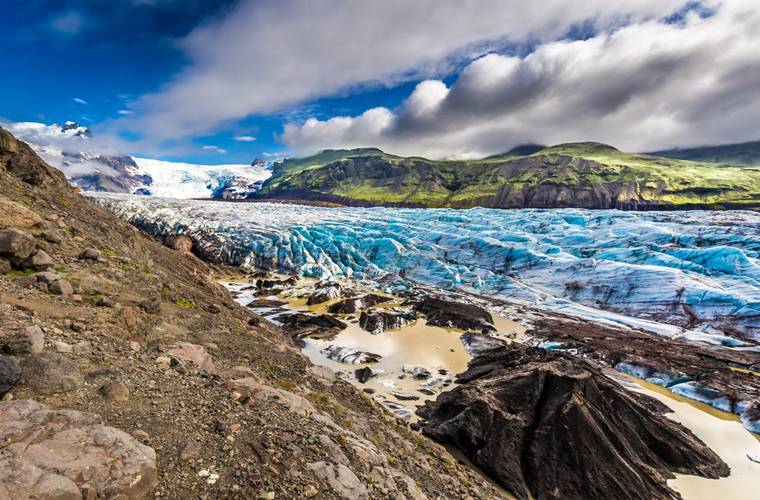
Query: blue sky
x,y
181,79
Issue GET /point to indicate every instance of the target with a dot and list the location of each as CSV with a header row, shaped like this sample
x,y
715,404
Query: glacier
x,y
692,274
186,180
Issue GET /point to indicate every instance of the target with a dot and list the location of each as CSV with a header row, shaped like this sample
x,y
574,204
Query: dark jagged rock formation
x,y
448,314
476,344
325,292
378,321
356,304
548,425
303,325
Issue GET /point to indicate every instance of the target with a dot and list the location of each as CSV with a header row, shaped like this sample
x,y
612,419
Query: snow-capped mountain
x,y
72,149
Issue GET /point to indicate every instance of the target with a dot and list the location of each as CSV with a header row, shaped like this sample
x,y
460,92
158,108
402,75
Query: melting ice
x,y
693,272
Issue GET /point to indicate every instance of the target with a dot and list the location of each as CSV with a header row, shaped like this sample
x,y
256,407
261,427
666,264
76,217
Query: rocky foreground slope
x,y
144,372
580,175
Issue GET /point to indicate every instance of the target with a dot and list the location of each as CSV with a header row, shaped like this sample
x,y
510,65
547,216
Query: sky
x,y
226,81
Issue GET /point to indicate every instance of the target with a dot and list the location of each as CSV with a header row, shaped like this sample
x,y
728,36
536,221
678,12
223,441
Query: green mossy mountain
x,y
745,153
582,175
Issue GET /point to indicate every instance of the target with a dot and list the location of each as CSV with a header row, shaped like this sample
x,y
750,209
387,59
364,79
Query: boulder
x,y
10,374
378,321
5,265
68,454
356,304
16,245
325,292
192,353
349,355
364,374
61,287
449,314
341,479
39,261
417,372
90,254
115,391
151,306
30,340
51,373
17,215
52,236
252,390
545,424
47,277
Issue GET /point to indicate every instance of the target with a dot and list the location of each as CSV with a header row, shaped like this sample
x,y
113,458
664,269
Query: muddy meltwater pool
x,y
441,352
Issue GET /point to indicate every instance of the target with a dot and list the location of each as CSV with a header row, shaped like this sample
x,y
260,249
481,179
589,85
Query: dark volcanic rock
x,y
275,286
325,292
476,344
549,425
10,374
378,321
356,304
349,355
449,314
363,374
302,325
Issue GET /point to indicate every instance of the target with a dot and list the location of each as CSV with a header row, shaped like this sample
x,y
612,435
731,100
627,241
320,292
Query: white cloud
x,y
125,112
244,138
643,86
214,149
267,55
81,101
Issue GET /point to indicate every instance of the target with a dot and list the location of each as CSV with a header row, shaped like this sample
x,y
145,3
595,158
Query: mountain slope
x,y
584,175
138,315
746,153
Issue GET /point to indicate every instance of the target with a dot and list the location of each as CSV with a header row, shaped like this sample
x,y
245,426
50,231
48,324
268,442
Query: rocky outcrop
x,y
303,325
68,454
17,215
525,416
356,304
476,344
349,356
449,314
30,340
378,321
192,353
325,292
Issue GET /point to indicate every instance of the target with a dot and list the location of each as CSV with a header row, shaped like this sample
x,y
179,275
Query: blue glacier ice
x,y
693,274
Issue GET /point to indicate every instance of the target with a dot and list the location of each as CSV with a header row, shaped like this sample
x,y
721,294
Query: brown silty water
x,y
434,348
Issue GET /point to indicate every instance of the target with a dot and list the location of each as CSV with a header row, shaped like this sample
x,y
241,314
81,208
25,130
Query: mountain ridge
x,y
568,175
743,153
